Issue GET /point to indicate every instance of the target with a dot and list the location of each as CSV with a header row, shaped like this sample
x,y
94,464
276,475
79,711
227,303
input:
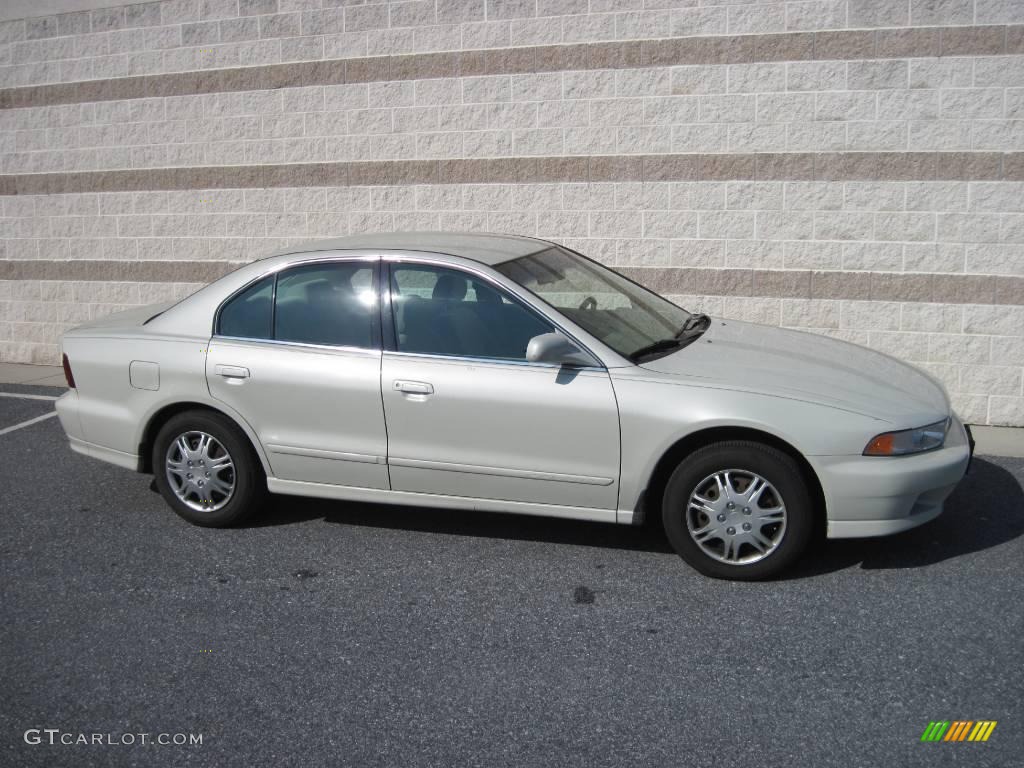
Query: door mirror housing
x,y
556,349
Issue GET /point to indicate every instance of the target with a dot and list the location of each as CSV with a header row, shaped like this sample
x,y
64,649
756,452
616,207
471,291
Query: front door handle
x,y
232,371
413,387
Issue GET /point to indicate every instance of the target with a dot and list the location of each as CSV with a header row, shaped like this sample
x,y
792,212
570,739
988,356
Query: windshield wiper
x,y
693,322
687,334
661,345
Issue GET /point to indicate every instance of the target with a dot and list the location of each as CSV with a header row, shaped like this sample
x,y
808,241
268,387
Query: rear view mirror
x,y
556,349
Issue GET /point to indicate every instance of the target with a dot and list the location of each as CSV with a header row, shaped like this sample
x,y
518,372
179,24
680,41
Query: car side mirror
x,y
556,349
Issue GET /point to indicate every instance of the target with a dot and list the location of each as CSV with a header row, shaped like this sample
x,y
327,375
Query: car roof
x,y
484,247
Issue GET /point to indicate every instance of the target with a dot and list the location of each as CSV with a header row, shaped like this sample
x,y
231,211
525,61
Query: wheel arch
x,y
649,506
166,412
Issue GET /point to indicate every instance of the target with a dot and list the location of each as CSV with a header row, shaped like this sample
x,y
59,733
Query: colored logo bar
x,y
959,730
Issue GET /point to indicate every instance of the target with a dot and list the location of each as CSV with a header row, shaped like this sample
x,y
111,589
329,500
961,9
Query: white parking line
x,y
26,397
29,423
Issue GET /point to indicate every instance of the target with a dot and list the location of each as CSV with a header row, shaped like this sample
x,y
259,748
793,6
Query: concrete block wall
x,y
848,167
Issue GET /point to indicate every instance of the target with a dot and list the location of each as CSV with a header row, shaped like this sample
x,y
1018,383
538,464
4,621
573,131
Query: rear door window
x,y
333,304
328,303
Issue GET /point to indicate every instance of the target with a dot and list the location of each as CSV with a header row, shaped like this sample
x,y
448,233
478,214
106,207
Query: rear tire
x,y
738,510
207,471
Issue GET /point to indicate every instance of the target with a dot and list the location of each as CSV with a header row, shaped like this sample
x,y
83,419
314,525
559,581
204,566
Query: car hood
x,y
808,367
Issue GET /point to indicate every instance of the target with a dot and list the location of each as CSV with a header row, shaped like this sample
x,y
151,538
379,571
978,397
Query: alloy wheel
x,y
736,517
200,471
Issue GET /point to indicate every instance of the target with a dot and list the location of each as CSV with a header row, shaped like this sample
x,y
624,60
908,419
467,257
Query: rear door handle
x,y
232,371
413,387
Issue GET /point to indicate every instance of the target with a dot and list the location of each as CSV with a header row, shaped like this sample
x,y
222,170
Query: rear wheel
x,y
738,510
206,469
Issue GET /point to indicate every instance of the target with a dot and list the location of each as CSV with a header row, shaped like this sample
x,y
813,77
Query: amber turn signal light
x,y
881,446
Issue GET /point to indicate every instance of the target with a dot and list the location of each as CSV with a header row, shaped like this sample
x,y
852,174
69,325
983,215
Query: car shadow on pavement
x,y
455,522
986,510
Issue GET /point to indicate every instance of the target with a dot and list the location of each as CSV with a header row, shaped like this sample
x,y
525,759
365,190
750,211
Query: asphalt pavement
x,y
355,635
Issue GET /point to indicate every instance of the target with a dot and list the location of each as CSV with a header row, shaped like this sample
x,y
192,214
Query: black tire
x,y
249,492
779,470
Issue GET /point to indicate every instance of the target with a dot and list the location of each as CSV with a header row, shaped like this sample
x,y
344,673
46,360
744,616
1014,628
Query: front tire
x,y
738,510
206,469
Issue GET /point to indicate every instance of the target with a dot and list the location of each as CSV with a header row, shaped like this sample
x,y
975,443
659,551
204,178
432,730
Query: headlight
x,y
908,440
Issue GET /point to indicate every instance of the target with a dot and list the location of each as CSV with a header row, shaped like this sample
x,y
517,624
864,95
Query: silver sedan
x,y
508,374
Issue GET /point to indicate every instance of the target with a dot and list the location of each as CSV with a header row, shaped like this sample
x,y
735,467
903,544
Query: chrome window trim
x,y
374,257
307,345
403,258
492,361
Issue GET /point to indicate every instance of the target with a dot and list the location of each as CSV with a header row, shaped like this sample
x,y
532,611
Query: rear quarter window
x,y
249,315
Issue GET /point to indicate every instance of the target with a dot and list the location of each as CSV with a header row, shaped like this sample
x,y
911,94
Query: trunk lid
x,y
129,318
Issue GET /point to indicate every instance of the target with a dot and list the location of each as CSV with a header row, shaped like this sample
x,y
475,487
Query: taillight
x,y
68,376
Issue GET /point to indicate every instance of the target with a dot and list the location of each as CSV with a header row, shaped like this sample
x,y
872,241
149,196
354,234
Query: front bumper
x,y
878,496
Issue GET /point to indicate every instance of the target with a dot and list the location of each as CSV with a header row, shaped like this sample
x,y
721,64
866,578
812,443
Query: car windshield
x,y
625,316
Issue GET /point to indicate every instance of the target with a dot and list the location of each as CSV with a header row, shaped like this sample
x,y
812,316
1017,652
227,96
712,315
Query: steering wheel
x,y
589,303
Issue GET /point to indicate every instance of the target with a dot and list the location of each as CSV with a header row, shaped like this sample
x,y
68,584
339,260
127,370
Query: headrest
x,y
451,287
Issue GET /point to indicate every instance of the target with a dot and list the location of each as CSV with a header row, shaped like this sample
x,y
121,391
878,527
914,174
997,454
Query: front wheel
x,y
738,510
206,470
